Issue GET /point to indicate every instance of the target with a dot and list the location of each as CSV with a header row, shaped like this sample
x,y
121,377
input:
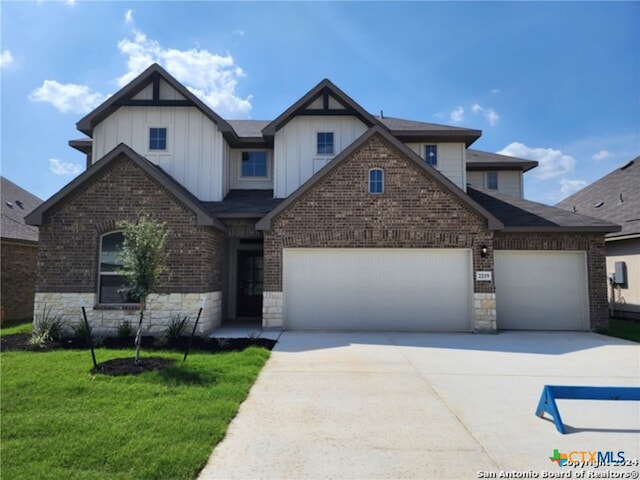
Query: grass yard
x,y
627,329
58,422
12,327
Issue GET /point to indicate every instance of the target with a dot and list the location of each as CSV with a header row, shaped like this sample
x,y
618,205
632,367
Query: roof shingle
x,y
17,203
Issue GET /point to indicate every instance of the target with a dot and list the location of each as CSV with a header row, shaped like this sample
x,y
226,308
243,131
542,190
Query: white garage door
x,y
377,289
541,290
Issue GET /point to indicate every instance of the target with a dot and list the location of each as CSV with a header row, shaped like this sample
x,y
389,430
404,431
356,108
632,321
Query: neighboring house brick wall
x,y
592,244
18,280
70,234
413,212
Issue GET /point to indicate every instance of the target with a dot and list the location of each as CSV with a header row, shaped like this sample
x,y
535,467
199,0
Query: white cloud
x,y
569,187
58,167
128,17
551,162
457,115
212,77
239,32
495,90
6,58
601,155
490,114
68,97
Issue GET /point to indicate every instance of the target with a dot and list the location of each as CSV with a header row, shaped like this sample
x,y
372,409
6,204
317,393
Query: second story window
x,y
157,139
376,180
254,164
325,143
431,155
492,180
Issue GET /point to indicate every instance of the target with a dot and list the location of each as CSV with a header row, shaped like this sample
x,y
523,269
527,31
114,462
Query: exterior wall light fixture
x,y
483,250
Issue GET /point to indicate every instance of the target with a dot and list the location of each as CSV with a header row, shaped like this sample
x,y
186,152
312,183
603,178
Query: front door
x,y
249,283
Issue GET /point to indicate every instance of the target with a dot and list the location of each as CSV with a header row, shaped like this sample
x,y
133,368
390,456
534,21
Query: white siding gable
x,y
194,153
451,160
295,157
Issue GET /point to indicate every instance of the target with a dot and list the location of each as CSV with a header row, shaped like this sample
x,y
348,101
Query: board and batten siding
x,y
509,181
195,147
295,157
451,160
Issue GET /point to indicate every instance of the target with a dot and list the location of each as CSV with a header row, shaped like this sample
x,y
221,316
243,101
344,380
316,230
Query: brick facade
x,y
18,280
414,212
71,230
591,243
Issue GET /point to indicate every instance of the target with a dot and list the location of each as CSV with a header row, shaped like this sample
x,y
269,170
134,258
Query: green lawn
x,y
626,329
12,327
57,422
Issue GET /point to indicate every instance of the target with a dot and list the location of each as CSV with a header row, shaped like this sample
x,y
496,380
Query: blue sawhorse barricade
x,y
551,393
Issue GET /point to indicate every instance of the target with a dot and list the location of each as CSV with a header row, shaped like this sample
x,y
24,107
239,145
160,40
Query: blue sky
x,y
550,81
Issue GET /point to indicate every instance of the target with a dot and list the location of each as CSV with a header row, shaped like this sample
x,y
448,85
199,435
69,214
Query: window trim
x,y
241,177
370,181
166,139
100,274
426,159
333,143
486,180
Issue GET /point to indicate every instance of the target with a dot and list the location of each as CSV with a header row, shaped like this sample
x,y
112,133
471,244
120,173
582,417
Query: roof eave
x,y
468,137
561,229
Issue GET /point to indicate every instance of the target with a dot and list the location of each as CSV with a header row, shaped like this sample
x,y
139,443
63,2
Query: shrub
x,y
47,328
125,329
176,329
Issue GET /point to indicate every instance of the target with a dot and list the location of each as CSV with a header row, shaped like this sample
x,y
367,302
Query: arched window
x,y
376,180
112,287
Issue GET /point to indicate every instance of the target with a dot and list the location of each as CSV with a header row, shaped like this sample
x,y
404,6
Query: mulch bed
x,y
127,366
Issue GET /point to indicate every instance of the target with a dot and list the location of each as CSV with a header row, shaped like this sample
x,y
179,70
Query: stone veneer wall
x,y
161,309
484,313
415,211
18,282
591,243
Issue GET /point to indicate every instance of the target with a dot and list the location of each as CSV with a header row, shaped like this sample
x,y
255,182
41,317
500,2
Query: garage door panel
x,y
541,290
377,289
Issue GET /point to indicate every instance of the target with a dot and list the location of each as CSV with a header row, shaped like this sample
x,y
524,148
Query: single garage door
x,y
377,289
541,290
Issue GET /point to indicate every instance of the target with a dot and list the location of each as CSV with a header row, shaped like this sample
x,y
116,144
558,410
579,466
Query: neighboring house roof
x,y
615,197
17,203
477,160
493,222
520,215
243,204
155,172
125,95
325,89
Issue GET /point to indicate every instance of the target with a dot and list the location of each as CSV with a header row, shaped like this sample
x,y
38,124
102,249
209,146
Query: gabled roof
x,y
493,222
615,197
413,131
16,204
155,172
520,215
323,89
477,160
151,75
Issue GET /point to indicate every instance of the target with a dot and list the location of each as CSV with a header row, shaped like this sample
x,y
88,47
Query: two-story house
x,y
326,217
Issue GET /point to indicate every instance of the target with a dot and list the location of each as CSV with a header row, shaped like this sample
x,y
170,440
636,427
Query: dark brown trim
x,y
17,241
152,74
560,229
328,111
324,88
493,222
190,202
154,103
156,87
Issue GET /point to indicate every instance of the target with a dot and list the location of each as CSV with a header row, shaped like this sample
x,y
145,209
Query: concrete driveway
x,y
438,406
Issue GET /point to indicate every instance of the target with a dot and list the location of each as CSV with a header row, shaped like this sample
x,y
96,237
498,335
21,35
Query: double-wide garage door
x,y
378,289
541,290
